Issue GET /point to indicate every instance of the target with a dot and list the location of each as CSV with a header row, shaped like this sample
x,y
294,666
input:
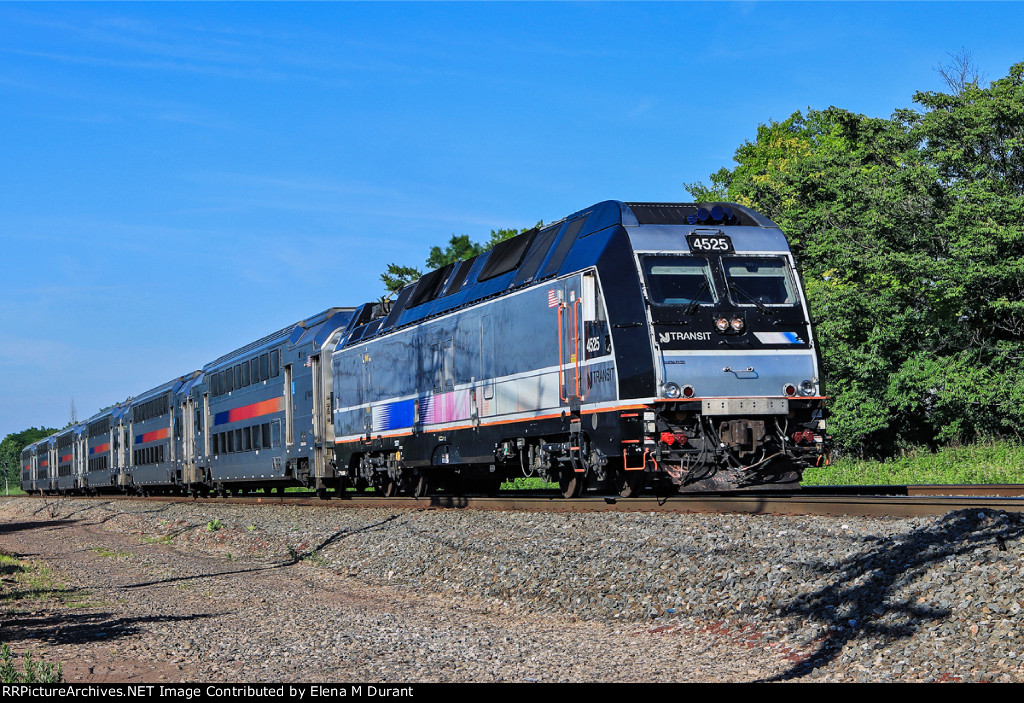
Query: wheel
x,y
420,486
386,486
629,484
571,484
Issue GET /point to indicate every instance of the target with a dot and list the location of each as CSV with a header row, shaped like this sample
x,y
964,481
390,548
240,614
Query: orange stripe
x,y
532,418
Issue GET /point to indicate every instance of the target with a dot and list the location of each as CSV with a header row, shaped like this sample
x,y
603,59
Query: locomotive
x,y
626,346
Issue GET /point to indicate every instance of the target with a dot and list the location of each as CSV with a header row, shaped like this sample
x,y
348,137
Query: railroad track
x,y
871,501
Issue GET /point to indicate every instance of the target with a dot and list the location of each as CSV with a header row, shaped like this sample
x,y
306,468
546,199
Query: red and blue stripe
x,y
152,436
247,412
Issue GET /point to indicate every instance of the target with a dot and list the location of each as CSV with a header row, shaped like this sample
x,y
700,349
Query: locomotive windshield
x,y
679,280
758,280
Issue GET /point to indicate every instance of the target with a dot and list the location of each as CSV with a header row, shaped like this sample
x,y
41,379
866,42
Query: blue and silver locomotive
x,y
629,344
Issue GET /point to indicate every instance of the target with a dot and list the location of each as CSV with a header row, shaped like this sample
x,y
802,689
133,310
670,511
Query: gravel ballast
x,y
214,592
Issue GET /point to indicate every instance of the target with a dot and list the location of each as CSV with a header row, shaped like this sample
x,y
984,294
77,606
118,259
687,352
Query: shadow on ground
x,y
860,601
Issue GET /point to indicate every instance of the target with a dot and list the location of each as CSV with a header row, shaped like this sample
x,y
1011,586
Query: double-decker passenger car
x,y
37,465
102,442
265,409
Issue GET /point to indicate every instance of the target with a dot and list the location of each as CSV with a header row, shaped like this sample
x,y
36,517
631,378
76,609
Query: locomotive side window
x,y
561,249
435,365
535,257
754,280
679,280
455,285
449,365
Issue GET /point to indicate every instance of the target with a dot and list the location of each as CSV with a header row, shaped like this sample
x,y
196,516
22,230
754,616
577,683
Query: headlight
x,y
721,324
736,324
671,390
807,387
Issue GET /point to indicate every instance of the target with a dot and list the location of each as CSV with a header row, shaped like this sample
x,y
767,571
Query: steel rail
x,y
870,501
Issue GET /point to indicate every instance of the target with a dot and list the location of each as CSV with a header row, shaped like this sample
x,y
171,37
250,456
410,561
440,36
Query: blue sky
x,y
179,179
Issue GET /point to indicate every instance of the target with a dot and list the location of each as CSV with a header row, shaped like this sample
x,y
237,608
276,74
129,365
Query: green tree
x,y
974,137
459,247
398,277
908,234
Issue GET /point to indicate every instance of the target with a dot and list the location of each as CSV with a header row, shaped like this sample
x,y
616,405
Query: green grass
x,y
523,483
982,463
24,580
166,539
28,579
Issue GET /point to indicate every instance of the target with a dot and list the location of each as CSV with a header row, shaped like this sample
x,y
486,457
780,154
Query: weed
x,y
214,525
31,671
104,552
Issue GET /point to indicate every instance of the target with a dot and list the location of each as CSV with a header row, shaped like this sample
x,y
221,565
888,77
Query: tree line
x,y
909,234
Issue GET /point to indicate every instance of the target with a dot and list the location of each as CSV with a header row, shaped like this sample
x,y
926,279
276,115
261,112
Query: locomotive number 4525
x,y
719,243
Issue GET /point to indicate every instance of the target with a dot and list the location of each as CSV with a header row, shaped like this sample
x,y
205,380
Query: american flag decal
x,y
552,298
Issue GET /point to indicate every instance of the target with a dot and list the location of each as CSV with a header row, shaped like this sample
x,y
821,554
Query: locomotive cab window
x,y
756,280
679,280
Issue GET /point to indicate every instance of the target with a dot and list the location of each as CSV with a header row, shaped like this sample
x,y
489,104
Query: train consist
x,y
629,345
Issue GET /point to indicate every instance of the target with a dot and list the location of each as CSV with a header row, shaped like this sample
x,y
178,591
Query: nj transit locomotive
x,y
630,344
